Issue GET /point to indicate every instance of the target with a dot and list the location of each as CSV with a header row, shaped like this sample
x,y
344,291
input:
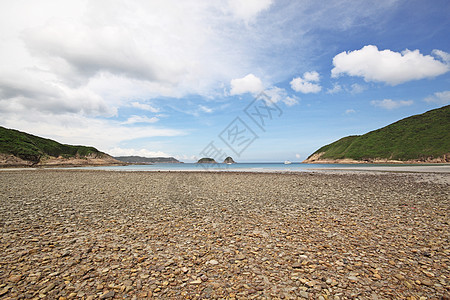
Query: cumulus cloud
x,y
291,101
442,55
117,151
439,98
391,104
277,94
306,84
311,76
336,89
248,9
247,84
388,66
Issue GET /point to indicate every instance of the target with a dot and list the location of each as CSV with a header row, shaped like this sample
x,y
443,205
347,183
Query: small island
x,y
229,160
206,160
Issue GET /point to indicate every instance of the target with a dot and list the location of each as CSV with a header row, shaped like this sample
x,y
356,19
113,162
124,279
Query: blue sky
x,y
168,78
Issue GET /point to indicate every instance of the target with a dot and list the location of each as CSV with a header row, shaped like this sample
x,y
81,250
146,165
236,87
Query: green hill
x,y
424,137
34,149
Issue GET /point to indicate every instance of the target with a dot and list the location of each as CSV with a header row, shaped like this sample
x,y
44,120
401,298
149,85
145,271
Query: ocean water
x,y
238,167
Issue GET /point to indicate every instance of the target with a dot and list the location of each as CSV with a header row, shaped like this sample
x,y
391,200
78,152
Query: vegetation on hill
x,y
206,160
421,137
33,148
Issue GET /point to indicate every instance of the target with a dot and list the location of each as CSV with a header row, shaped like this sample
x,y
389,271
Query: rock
x,y
352,278
399,276
427,282
47,289
15,278
107,294
303,294
4,291
240,256
213,262
229,160
197,281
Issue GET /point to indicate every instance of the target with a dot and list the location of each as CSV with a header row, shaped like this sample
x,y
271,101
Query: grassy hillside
x,y
418,137
33,148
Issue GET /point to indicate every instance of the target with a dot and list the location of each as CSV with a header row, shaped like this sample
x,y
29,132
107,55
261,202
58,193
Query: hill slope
x,y
22,149
419,138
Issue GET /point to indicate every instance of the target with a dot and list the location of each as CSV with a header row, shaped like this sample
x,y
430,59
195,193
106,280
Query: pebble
x,y
107,295
221,235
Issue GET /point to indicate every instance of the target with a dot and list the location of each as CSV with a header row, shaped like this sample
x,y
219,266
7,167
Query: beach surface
x,y
76,234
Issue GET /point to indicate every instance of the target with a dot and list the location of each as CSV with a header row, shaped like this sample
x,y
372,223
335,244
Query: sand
x,y
72,234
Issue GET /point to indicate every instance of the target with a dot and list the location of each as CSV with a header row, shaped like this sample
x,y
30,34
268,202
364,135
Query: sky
x,y
258,80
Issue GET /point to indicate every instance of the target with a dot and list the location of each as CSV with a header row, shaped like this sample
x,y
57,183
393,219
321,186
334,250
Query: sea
x,y
240,167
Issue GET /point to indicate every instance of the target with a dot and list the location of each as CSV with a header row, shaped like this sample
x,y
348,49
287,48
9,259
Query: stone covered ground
x,y
72,234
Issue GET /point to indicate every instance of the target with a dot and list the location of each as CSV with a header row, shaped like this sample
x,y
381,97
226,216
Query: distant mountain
x,y
419,138
22,149
206,160
146,160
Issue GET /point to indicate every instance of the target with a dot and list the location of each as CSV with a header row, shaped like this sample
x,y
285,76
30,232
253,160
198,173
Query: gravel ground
x,y
129,235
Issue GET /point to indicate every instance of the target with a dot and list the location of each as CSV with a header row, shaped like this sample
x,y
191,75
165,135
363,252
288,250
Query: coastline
x,y
91,234
317,159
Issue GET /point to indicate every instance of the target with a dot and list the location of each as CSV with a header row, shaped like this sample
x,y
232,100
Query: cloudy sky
x,y
260,80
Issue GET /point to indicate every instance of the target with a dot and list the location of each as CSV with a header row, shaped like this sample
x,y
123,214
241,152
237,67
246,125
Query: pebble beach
x,y
76,234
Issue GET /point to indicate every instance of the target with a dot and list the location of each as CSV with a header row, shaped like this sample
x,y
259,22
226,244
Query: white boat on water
x,y
287,162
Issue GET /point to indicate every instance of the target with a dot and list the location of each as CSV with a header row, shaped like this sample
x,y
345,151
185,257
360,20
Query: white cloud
x,y
350,111
387,66
77,129
117,151
33,94
247,84
391,104
205,109
442,55
311,76
140,119
439,98
305,85
144,106
248,9
357,88
336,89
297,156
291,101
277,94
